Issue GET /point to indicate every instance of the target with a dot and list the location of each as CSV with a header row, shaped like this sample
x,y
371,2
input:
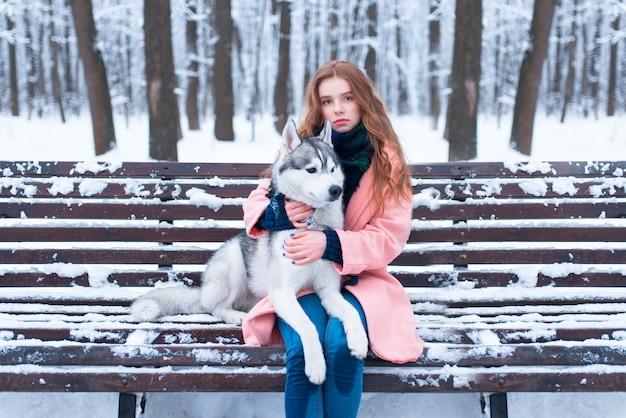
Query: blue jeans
x,y
340,395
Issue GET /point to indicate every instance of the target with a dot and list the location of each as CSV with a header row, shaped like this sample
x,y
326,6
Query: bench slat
x,y
458,233
187,355
170,190
564,233
117,234
174,210
506,330
201,334
489,169
517,189
119,278
506,379
456,211
463,255
194,170
476,279
385,379
80,209
482,278
162,255
162,169
160,355
163,190
457,255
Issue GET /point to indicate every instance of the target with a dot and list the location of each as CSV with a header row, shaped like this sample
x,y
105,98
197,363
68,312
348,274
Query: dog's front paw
x,y
357,342
359,349
315,370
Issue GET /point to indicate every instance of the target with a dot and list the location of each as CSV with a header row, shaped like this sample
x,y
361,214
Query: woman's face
x,y
338,104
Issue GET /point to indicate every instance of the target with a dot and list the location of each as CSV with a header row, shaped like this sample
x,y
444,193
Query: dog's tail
x,y
167,301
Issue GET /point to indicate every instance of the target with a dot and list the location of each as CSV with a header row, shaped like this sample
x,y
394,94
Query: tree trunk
x,y
611,93
501,65
594,72
160,81
334,25
15,102
404,104
554,94
31,75
54,69
223,96
95,76
128,88
370,57
584,79
464,79
434,45
70,96
571,70
282,88
191,101
530,76
41,79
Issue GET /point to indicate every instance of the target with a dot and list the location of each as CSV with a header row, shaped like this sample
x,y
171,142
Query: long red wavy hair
x,y
390,180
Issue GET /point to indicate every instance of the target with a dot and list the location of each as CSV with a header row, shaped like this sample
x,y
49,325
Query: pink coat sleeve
x,y
254,208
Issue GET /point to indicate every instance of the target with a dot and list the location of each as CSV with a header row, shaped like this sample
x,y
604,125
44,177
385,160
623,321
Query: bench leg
x,y
127,405
498,405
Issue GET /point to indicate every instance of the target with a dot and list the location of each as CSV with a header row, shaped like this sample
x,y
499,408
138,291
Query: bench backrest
x,y
532,224
560,223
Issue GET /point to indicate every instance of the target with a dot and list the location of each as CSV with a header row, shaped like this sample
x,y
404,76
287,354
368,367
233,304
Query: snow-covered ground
x,y
47,139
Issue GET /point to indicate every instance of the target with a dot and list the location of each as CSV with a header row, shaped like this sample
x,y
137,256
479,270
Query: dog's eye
x,y
311,170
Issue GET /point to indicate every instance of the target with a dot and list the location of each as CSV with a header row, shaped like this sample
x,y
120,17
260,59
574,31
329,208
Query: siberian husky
x,y
244,269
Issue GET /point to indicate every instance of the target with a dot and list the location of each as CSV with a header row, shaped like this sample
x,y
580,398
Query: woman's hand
x,y
305,246
297,212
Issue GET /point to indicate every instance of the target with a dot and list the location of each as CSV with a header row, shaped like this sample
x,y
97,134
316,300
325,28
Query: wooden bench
x,y
517,273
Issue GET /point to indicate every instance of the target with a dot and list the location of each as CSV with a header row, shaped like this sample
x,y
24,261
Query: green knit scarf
x,y
355,154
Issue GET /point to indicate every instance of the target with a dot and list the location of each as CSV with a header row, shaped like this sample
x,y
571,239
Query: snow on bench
x,y
516,271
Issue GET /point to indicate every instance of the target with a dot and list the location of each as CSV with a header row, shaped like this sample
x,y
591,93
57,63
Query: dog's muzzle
x,y
334,191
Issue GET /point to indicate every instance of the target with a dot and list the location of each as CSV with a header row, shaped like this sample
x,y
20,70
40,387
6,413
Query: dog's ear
x,y
290,139
325,134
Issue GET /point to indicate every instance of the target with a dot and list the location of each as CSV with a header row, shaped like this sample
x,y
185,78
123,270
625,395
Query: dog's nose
x,y
334,191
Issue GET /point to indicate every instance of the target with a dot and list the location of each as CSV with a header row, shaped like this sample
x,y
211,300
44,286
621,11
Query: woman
x,y
377,205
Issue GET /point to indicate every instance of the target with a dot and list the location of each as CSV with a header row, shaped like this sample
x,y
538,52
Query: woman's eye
x,y
311,170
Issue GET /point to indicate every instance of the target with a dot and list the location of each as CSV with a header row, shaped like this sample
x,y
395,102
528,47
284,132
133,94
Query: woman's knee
x,y
317,314
336,343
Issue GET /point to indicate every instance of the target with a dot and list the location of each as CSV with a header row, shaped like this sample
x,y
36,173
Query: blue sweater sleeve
x,y
275,217
333,250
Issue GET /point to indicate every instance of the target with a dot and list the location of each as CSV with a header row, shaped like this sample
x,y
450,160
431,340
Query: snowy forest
x,y
186,61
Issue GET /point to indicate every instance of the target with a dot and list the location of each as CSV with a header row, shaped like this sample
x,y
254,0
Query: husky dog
x,y
245,269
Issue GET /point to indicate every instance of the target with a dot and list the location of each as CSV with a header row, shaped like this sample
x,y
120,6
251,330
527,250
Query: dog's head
x,y
307,169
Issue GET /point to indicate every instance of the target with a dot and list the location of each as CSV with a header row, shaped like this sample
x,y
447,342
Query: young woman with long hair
x,y
377,207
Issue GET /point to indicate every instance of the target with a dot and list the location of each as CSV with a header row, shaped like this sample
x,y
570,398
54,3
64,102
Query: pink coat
x,y
368,244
